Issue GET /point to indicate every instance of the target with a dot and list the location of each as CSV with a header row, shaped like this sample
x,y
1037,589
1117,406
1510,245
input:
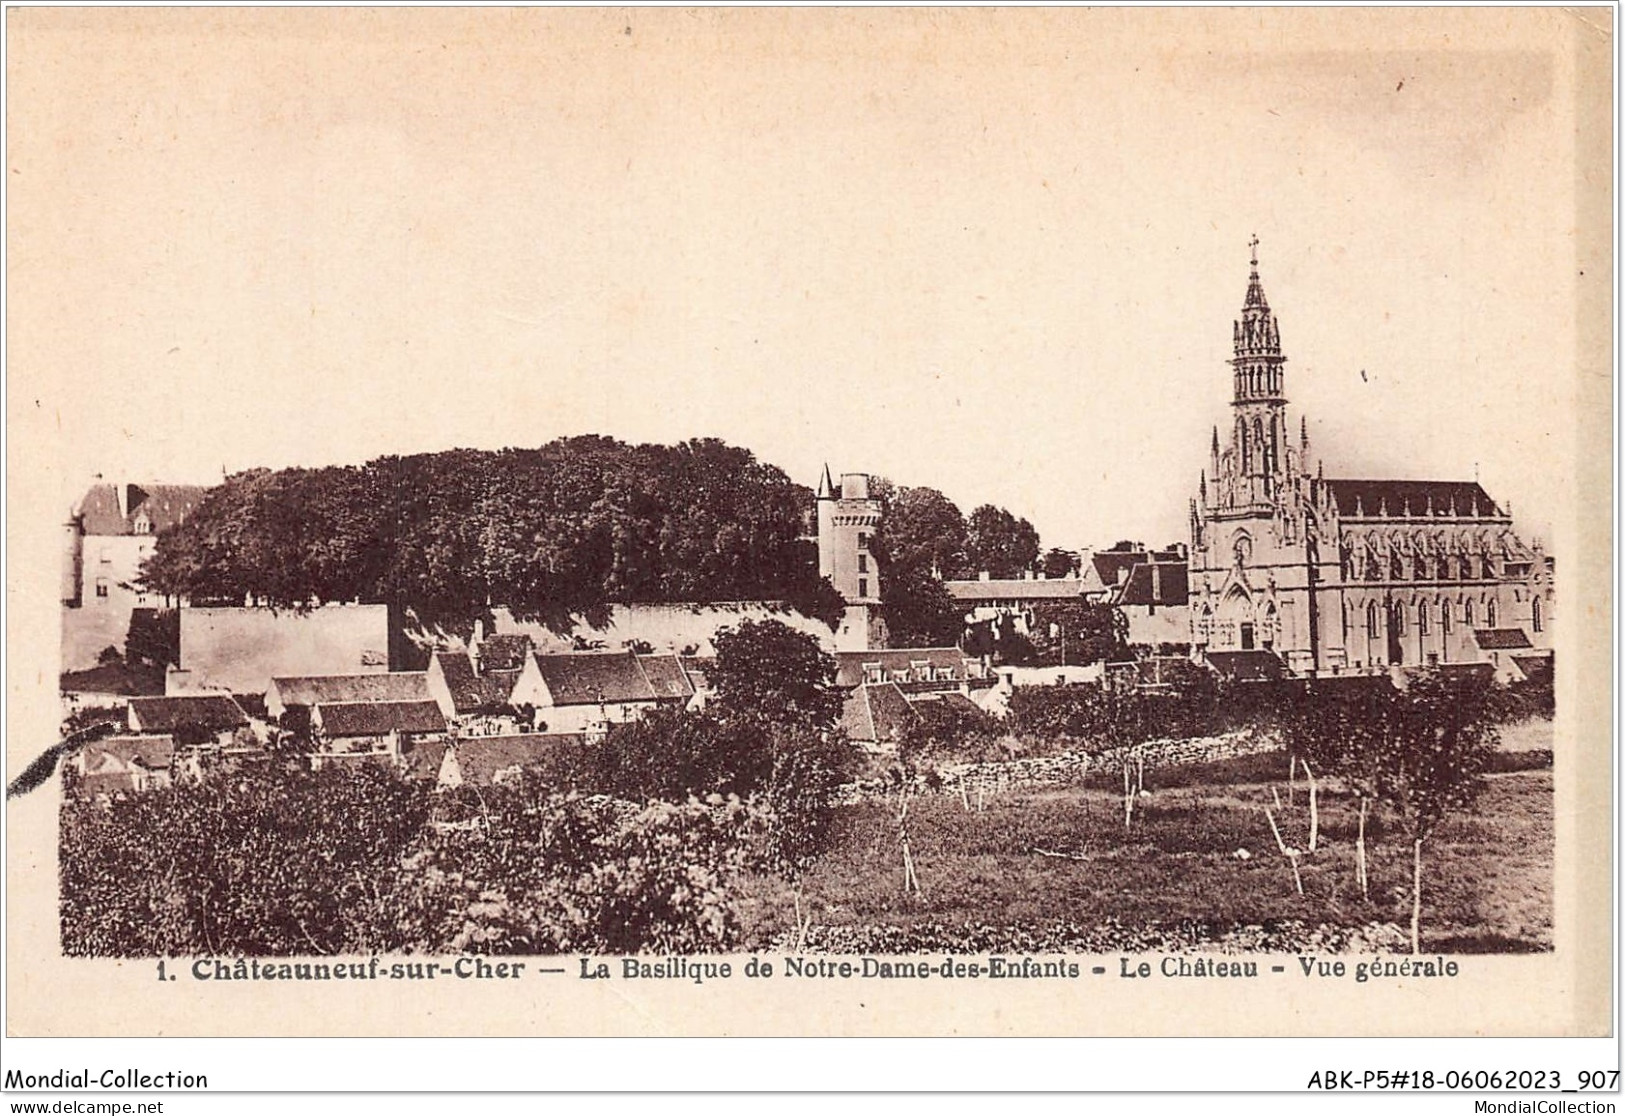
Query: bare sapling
x,y
911,880
1128,795
1314,807
1359,852
1291,854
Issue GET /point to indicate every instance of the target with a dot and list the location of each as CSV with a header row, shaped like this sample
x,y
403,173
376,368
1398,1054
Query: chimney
x,y
984,576
475,642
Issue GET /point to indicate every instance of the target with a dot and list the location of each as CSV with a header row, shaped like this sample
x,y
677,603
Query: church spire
x,y
1255,288
1258,361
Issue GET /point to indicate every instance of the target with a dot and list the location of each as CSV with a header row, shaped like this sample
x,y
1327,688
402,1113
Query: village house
x,y
484,761
914,668
883,687
346,731
587,692
300,694
199,719
994,599
118,765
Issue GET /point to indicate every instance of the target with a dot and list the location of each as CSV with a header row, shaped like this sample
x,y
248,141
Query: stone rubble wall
x,y
1072,766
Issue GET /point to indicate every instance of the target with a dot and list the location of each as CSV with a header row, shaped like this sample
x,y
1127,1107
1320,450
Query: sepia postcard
x,y
809,522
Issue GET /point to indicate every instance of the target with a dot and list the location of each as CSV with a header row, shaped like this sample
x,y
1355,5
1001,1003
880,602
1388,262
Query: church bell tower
x,y
1259,442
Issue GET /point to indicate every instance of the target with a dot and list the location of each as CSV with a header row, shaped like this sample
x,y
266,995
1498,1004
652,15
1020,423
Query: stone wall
x,y
1070,767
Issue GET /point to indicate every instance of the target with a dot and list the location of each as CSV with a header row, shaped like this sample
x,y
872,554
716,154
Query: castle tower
x,y
847,518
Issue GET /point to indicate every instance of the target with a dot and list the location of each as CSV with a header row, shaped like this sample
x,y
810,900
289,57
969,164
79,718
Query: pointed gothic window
x,y
1372,624
1534,613
1489,612
1421,618
1469,612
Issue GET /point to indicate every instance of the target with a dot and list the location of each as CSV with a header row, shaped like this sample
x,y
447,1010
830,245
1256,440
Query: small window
x,y
863,540
863,587
101,587
863,563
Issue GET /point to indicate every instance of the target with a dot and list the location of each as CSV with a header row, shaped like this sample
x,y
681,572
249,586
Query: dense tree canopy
x,y
1000,543
562,529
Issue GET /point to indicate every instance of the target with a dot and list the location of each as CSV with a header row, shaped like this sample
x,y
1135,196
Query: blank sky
x,y
996,252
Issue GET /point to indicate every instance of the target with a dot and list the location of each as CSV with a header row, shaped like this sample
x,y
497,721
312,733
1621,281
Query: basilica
x,y
1333,575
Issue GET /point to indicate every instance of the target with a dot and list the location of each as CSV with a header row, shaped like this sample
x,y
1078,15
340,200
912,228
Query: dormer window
x,y
143,525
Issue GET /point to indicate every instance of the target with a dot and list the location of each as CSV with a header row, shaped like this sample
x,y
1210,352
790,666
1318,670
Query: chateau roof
x,y
379,718
166,714
163,505
1407,499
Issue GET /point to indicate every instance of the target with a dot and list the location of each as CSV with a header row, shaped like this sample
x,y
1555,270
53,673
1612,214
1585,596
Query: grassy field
x,y
1199,868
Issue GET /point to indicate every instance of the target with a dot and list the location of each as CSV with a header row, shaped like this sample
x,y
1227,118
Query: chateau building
x,y
109,533
1345,575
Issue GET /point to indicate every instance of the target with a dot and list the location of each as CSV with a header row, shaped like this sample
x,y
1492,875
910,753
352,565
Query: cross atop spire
x,y
1254,245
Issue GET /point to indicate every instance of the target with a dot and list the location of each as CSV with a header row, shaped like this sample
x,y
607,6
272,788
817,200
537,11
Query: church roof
x,y
1412,499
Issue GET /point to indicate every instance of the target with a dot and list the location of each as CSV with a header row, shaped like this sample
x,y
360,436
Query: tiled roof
x,y
666,676
154,752
1159,583
165,714
504,652
1016,589
1536,668
472,692
161,505
876,713
481,758
849,665
1501,639
327,688
698,668
588,678
1405,499
379,718
1247,666
118,679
